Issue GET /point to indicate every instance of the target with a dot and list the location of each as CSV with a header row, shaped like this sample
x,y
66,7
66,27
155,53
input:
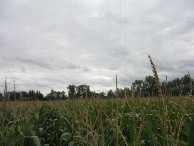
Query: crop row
x,y
100,122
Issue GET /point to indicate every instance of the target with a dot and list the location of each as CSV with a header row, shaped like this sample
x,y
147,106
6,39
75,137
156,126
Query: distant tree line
x,y
148,87
34,96
142,88
56,95
23,95
83,91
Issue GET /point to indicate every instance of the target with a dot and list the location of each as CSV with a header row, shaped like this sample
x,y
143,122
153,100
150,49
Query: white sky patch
x,y
50,44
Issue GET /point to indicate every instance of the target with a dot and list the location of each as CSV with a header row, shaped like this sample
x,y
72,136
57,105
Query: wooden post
x,y
5,95
14,91
116,87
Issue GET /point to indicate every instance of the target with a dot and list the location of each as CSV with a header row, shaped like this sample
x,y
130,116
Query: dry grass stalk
x,y
141,126
92,130
153,134
117,104
170,126
191,91
134,118
165,87
155,75
123,137
101,125
112,121
178,113
164,105
179,129
86,119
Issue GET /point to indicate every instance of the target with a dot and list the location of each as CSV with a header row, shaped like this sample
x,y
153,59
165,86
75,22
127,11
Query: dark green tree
x,y
63,95
110,94
150,85
82,91
71,91
1,97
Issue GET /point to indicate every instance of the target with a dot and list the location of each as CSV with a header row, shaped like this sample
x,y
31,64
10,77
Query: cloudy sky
x,y
49,44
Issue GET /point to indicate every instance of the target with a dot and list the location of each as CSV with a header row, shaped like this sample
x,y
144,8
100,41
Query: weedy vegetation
x,y
129,121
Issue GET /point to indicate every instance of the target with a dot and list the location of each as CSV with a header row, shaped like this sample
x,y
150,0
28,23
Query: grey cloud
x,y
46,44
37,62
86,69
189,63
21,70
73,66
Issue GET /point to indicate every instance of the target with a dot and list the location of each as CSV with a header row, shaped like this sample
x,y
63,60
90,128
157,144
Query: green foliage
x,y
191,133
1,97
99,122
56,95
72,91
80,91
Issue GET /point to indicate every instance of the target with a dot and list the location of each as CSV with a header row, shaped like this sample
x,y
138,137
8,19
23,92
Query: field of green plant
x,y
165,121
131,121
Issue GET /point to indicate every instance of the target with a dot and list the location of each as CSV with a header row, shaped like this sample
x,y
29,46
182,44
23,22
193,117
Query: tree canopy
x,y
142,88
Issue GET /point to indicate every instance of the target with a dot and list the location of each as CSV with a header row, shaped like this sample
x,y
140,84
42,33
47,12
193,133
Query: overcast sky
x,y
49,44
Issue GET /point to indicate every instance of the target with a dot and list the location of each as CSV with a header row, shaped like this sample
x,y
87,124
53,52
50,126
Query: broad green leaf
x,y
32,141
191,133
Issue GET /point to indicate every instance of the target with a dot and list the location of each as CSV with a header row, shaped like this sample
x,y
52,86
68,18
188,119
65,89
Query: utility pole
x,y
87,92
5,95
5,90
14,91
21,97
166,85
116,87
